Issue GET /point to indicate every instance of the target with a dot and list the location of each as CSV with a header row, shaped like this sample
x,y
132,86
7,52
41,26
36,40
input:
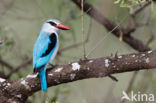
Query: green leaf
x,y
117,1
9,43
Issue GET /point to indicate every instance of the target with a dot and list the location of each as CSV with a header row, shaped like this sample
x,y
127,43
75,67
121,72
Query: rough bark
x,y
19,90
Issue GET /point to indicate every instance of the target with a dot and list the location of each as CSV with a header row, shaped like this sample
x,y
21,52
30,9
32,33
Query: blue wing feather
x,y
40,47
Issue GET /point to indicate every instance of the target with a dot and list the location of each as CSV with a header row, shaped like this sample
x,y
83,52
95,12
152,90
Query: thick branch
x,y
101,19
20,89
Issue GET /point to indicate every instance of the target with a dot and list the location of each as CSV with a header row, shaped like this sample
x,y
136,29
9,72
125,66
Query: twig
x,y
4,63
24,64
3,75
139,9
131,27
82,30
151,39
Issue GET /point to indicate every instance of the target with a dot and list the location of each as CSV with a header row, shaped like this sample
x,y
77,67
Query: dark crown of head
x,y
52,23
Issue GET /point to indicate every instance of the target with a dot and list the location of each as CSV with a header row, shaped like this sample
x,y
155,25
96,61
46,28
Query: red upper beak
x,y
60,26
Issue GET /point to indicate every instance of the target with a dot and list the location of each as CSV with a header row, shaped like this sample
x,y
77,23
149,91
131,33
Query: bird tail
x,y
42,74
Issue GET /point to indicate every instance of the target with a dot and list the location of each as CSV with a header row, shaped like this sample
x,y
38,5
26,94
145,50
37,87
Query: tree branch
x,y
21,89
139,9
4,63
24,64
101,19
131,27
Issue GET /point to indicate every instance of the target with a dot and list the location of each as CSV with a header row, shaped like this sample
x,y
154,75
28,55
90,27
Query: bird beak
x,y
60,26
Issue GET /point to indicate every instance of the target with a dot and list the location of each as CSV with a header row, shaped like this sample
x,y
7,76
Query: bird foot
x,y
84,59
52,66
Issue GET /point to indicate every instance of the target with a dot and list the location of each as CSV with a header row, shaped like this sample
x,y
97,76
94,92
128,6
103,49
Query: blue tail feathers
x,y
43,80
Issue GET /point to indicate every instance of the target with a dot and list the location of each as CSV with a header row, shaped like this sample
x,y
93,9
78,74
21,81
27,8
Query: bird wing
x,y
43,49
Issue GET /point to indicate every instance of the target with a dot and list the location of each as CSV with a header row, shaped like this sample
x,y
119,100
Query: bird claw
x,y
84,59
52,66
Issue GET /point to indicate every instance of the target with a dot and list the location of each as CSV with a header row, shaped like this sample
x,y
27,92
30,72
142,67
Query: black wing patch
x,y
51,45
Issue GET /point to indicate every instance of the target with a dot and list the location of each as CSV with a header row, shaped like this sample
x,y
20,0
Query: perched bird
x,y
45,48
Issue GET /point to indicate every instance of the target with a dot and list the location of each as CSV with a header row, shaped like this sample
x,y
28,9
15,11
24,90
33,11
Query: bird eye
x,y
52,23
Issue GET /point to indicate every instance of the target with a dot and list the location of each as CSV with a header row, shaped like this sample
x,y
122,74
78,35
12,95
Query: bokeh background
x,y
20,23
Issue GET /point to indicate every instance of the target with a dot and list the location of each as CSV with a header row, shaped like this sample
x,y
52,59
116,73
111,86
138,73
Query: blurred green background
x,y
20,23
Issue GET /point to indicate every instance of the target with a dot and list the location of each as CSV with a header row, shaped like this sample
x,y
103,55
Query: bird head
x,y
53,25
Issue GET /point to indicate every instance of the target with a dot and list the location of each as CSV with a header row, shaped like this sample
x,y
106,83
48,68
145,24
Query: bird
x,y
46,48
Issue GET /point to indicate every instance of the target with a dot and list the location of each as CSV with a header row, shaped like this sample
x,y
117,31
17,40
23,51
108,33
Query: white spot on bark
x,y
149,51
90,61
147,60
88,68
4,84
133,55
23,82
143,54
75,66
50,74
120,56
32,76
32,86
136,60
72,76
106,62
8,84
57,81
19,95
58,69
2,80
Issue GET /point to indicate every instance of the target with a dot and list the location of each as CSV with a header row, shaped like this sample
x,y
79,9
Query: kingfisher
x,y
46,48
